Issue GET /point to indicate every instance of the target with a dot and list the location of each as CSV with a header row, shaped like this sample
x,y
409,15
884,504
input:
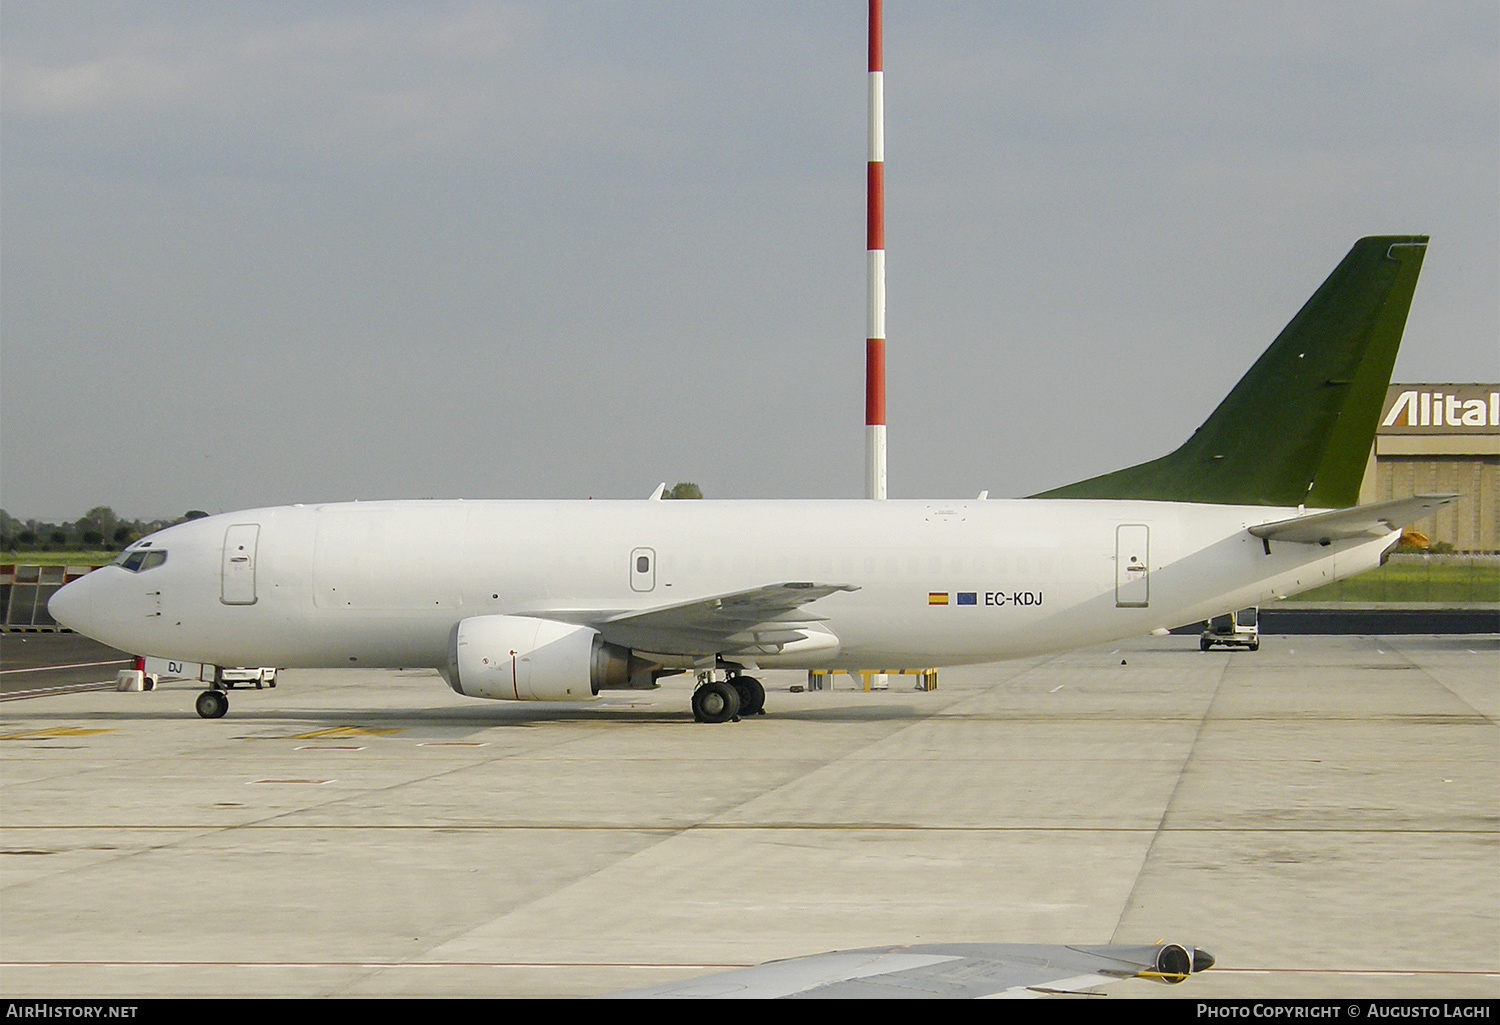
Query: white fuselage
x,y
382,584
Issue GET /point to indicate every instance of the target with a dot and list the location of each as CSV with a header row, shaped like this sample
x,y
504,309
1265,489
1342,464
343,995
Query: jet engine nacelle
x,y
1175,962
519,658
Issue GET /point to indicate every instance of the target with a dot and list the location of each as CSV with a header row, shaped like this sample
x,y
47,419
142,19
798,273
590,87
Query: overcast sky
x,y
259,253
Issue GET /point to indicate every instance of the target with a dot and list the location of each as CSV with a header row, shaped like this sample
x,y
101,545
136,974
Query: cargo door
x,y
238,574
1132,559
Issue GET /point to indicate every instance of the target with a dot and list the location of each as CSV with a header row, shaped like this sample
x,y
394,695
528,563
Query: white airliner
x,y
556,601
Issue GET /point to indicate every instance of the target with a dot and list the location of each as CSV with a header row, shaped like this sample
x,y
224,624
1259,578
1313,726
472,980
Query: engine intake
x,y
521,658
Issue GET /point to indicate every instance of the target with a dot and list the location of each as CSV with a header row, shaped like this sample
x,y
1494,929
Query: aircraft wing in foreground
x,y
947,970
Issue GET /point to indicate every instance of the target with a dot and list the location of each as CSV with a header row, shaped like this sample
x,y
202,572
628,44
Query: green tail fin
x,y
1298,427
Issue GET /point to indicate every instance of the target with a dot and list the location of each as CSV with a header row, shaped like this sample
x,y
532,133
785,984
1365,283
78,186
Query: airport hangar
x,y
1441,438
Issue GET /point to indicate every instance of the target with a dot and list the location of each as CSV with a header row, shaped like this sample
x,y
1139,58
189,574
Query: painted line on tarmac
x,y
70,665
56,733
1412,973
673,965
67,688
366,964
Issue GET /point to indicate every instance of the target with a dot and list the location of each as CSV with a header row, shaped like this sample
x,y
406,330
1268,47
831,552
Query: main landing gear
x,y
728,700
752,695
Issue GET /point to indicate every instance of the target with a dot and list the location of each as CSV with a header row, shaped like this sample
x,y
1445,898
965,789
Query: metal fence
x,y
24,591
1456,580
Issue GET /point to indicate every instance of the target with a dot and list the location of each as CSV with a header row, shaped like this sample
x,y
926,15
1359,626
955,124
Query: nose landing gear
x,y
212,704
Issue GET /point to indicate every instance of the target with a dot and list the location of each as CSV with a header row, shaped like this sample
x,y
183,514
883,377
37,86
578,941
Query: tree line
x,y
99,529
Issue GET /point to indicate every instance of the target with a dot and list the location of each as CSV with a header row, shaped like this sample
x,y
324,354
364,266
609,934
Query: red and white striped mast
x,y
875,268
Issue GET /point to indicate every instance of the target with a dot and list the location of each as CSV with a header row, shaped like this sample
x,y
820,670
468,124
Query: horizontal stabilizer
x,y
1363,521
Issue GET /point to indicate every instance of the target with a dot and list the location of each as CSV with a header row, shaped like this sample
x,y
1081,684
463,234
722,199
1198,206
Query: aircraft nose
x,y
72,605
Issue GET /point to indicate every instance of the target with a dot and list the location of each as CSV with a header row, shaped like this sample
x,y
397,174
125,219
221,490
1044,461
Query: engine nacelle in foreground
x,y
519,658
1174,962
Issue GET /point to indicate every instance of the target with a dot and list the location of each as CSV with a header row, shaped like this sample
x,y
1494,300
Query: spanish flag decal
x,y
937,597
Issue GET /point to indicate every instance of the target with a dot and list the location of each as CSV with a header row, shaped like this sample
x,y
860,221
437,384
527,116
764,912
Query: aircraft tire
x,y
212,704
1204,644
716,702
752,695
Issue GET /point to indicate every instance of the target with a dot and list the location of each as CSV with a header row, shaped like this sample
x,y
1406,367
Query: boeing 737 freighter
x,y
557,601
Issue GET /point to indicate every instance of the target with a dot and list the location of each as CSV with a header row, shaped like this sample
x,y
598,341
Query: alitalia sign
x,y
1441,409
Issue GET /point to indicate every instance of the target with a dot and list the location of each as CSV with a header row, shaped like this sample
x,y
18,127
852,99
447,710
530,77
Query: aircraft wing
x,y
736,609
945,970
1375,520
759,620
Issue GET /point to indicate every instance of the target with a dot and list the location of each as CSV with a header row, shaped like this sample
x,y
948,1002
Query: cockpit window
x,y
131,560
138,561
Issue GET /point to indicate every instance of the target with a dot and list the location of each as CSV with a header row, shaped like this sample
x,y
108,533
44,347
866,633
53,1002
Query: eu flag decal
x,y
968,597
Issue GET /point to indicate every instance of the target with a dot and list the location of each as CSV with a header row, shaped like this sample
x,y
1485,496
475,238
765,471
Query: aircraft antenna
x,y
875,267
